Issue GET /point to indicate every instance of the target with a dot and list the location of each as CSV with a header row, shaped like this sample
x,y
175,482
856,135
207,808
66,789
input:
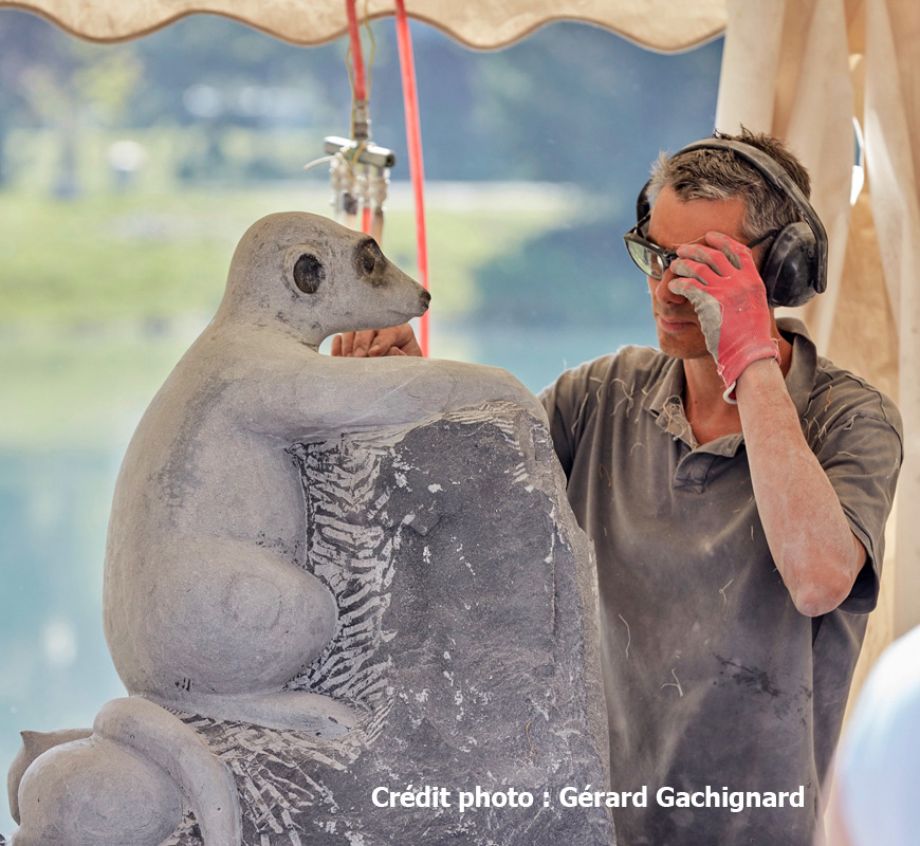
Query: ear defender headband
x,y
794,267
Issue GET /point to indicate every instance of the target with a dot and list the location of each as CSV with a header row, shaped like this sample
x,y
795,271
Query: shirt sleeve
x,y
556,400
861,456
566,403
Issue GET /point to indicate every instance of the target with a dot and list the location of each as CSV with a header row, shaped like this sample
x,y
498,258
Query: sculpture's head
x,y
318,277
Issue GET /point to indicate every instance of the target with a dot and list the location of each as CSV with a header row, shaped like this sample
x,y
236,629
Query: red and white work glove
x,y
721,281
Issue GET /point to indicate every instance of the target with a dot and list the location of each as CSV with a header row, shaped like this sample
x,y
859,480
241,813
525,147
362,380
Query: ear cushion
x,y
643,208
790,265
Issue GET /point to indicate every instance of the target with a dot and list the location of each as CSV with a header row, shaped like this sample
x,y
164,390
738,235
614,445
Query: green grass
x,y
150,256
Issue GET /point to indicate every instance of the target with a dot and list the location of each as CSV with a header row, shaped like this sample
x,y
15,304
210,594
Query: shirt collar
x,y
665,402
670,383
799,380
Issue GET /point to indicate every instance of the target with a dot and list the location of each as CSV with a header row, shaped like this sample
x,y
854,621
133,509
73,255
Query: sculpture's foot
x,y
35,743
127,783
291,710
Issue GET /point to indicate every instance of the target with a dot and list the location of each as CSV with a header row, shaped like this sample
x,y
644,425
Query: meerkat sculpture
x,y
325,576
208,606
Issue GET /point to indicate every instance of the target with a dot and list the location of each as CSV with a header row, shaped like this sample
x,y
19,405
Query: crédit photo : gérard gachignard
x,y
667,796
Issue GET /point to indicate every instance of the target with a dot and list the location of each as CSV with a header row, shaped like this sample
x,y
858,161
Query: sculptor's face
x,y
674,222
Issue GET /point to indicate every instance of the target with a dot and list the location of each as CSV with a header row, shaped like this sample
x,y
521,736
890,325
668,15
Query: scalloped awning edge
x,y
663,25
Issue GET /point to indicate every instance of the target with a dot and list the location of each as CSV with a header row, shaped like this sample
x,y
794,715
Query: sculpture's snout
x,y
425,299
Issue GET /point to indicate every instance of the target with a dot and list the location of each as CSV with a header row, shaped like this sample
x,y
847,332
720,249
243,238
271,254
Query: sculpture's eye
x,y
369,257
308,273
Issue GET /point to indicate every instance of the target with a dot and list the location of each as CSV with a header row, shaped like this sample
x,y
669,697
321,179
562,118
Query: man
x,y
736,487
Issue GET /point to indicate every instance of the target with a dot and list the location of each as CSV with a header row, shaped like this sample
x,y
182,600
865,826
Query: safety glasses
x,y
652,259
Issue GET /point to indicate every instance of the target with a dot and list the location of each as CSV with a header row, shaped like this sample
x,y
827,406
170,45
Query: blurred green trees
x,y
570,103
209,105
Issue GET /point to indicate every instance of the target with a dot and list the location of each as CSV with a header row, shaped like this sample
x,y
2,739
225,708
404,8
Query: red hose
x,y
414,144
357,56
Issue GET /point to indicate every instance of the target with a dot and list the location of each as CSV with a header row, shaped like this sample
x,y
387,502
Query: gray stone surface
x,y
466,638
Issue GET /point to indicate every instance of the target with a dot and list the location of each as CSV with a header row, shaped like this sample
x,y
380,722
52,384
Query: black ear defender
x,y
794,267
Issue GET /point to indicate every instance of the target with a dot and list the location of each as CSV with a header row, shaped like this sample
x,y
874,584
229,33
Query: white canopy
x,y
800,69
803,69
483,24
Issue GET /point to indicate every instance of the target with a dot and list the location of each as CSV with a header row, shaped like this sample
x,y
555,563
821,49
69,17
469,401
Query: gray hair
x,y
709,174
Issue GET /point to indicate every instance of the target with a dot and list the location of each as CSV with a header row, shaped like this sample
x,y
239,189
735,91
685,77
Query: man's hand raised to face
x,y
721,281
374,343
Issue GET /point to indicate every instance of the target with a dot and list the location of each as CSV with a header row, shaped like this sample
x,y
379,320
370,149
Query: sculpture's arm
x,y
323,396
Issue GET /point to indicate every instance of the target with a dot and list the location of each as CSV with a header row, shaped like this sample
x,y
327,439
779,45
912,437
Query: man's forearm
x,y
815,551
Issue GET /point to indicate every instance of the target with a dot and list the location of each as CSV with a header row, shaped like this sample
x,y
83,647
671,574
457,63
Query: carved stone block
x,y
330,577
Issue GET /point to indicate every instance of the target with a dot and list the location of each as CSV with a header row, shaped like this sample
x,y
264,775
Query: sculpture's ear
x,y
30,739
308,273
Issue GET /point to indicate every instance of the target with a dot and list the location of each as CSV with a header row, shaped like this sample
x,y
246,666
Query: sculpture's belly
x,y
249,491
234,485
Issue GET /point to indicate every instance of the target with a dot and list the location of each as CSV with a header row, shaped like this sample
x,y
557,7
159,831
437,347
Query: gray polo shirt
x,y
712,677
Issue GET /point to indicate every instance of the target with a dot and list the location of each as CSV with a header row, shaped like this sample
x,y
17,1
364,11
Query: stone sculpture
x,y
327,576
